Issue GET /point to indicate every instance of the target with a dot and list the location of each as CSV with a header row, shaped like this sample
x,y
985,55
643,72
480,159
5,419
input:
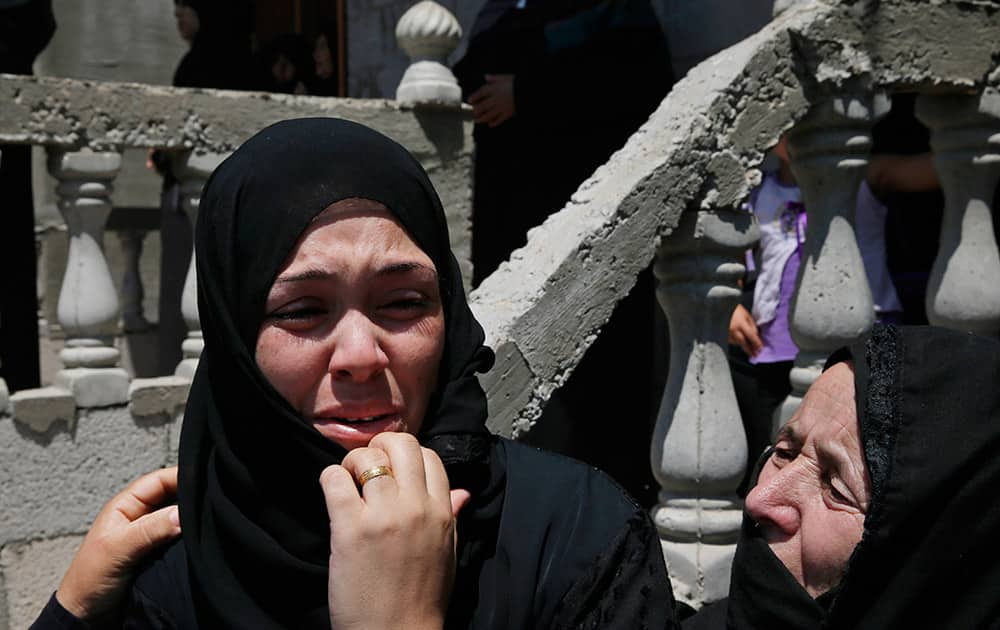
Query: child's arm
x,y
743,331
889,173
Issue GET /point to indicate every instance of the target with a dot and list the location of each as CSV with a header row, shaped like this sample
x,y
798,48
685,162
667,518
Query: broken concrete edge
x,y
701,149
161,398
40,409
105,116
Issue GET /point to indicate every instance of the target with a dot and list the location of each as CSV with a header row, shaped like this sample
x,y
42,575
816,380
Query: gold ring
x,y
372,473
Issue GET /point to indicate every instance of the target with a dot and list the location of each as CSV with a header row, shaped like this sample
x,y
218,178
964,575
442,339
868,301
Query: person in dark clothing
x,y
285,65
219,35
557,86
26,26
326,63
875,507
335,326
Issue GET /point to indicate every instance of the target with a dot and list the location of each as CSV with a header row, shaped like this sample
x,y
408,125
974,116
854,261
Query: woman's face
x,y
812,494
353,329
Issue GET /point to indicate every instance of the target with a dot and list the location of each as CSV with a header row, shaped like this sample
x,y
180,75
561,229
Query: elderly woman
x,y
876,507
336,426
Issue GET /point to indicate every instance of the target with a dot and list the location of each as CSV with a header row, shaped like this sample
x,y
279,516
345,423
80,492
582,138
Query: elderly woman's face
x,y
354,328
812,494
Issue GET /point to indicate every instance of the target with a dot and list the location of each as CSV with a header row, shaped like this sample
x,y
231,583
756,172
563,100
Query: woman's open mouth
x,y
358,420
352,432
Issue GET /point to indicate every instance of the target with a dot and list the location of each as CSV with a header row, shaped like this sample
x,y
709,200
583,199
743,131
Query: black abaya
x,y
929,415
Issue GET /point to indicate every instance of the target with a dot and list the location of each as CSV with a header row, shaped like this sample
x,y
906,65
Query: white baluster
x,y
963,291
428,33
88,301
192,170
832,305
699,448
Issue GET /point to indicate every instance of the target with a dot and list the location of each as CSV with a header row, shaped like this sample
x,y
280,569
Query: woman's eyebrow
x,y
404,267
308,274
788,433
386,270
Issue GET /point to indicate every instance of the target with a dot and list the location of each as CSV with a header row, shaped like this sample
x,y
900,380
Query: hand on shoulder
x,y
126,529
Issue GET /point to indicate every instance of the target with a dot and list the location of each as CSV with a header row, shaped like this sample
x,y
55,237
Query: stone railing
x,y
673,194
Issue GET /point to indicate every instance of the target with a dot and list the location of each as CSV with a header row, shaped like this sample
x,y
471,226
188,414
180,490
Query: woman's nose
x,y
357,354
774,501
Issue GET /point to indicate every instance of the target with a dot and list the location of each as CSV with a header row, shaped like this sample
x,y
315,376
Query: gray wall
x,y
113,40
697,29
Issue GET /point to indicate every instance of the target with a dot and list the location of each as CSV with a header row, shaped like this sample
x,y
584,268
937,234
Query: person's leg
x,y
760,388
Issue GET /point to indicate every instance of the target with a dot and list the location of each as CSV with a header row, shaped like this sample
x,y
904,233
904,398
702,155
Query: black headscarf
x,y
255,526
928,406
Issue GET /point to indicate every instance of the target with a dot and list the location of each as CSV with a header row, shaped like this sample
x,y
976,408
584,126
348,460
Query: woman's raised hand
x,y
392,544
127,528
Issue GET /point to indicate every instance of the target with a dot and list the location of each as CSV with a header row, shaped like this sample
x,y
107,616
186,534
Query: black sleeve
x,y
55,617
626,587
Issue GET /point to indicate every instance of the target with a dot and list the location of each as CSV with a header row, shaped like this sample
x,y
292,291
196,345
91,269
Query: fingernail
x,y
175,516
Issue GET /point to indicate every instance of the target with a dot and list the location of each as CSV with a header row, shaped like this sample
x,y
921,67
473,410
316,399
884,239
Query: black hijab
x,y
928,408
255,526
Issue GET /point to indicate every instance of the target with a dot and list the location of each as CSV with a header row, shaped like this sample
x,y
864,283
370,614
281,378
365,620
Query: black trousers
x,y
760,389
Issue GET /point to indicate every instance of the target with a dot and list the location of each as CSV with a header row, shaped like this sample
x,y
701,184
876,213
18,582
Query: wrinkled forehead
x,y
352,230
828,412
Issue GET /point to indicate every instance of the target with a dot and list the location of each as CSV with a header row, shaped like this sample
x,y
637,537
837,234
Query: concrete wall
x,y
55,481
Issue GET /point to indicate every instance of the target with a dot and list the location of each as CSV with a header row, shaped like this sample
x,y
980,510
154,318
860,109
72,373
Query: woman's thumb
x,y
459,497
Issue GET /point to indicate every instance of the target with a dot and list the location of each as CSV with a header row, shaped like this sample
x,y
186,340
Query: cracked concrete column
x,y
192,170
428,33
699,449
88,301
832,305
963,291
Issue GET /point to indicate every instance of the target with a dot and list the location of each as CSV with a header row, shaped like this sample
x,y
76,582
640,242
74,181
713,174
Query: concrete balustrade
x,y
832,305
963,291
699,449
